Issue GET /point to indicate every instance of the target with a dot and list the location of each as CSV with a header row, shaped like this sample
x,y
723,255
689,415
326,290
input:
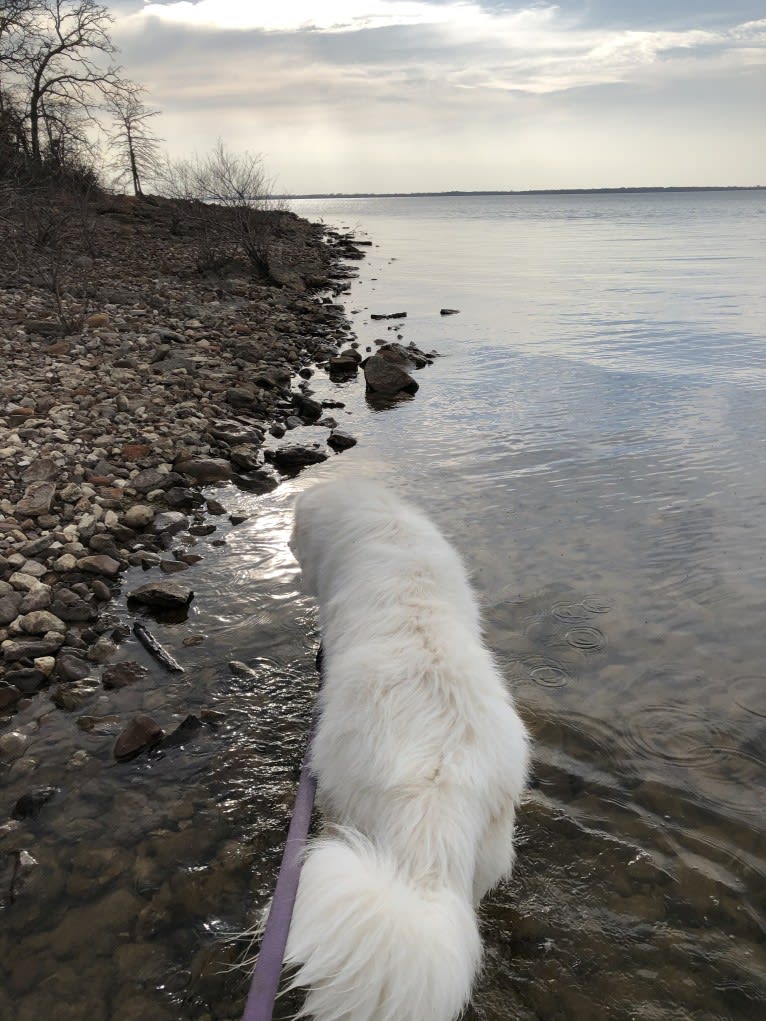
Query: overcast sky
x,y
431,95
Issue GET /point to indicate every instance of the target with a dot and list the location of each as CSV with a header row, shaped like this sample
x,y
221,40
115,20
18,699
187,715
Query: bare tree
x,y
65,62
135,147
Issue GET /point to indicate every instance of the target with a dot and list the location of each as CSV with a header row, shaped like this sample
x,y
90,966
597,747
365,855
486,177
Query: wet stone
x,y
9,694
202,529
181,498
71,667
74,694
386,378
186,731
28,680
12,745
293,458
118,675
101,590
141,733
169,523
30,805
173,566
205,469
105,725
340,440
162,594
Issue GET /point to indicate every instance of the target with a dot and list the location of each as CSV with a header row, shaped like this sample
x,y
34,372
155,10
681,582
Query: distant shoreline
x,y
531,191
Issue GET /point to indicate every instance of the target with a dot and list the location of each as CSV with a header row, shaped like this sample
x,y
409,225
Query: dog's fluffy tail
x,y
371,945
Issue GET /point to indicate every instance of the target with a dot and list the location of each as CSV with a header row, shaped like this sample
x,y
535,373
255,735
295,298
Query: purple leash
x,y
268,967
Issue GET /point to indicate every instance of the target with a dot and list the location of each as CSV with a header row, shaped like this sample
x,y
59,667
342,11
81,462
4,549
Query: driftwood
x,y
150,642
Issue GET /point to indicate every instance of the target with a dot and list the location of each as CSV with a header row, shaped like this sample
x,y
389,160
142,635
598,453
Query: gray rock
x,y
40,622
245,458
13,651
152,478
37,500
234,433
43,469
101,590
307,409
75,694
140,734
169,523
343,366
138,516
289,459
28,680
98,724
185,732
70,607
13,744
38,599
70,667
100,564
9,608
340,440
242,670
30,804
9,694
173,566
118,675
211,469
162,594
386,378
181,498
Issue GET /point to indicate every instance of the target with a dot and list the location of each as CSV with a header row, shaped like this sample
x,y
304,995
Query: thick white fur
x,y
420,757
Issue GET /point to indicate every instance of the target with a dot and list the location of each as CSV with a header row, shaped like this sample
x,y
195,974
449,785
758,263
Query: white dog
x,y
420,758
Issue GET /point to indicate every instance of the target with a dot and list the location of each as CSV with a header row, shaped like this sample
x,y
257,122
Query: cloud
x,y
307,15
368,94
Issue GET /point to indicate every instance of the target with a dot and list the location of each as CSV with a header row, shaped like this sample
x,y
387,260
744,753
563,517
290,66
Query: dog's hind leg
x,y
495,853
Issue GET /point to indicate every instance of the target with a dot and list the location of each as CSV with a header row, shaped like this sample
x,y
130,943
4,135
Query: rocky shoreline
x,y
174,381
108,434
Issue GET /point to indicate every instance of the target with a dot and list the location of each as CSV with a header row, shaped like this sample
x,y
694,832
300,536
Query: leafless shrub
x,y
51,244
228,196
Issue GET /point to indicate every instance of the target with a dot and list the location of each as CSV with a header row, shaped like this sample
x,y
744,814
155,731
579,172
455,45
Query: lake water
x,y
593,440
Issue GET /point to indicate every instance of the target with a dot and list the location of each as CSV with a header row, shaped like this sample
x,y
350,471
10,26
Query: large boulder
x,y
387,378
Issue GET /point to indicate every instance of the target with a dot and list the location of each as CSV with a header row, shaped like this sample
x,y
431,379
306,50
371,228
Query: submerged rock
x,y
118,675
140,734
30,805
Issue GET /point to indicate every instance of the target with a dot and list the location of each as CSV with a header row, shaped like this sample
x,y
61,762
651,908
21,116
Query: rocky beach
x,y
139,396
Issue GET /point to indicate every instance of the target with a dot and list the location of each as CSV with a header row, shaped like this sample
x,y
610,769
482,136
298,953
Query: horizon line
x,y
456,193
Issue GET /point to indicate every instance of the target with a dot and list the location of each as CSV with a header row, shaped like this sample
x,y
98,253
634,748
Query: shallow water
x,y
593,441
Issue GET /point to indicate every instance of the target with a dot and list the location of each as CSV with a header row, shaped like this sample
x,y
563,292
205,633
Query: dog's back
x,y
420,758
